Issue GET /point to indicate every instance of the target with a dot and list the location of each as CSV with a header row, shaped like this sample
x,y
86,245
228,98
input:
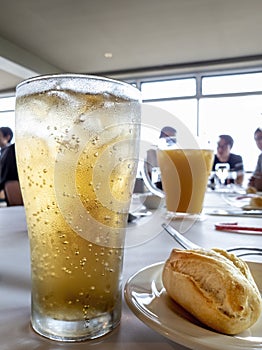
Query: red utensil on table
x,y
234,226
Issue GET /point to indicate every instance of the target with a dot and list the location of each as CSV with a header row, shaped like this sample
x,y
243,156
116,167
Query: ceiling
x,y
41,37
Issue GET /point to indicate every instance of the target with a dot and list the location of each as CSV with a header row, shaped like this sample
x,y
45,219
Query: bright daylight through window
x,y
209,105
213,105
7,114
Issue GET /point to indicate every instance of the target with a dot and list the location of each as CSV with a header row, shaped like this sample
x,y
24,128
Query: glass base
x,y
184,216
75,331
184,221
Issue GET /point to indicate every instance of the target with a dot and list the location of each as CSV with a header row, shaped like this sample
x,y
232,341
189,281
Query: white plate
x,y
237,213
251,207
243,203
233,201
146,297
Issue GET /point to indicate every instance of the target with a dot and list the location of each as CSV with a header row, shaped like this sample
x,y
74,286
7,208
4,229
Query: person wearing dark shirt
x,y
6,136
256,179
224,155
8,166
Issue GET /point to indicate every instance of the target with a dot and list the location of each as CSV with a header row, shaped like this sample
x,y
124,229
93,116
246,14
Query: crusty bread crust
x,y
251,189
214,286
256,202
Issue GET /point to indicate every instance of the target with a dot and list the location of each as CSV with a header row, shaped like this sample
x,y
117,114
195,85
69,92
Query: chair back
x,y
13,193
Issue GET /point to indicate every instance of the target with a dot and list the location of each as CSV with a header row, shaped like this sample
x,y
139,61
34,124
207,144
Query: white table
x,y
15,332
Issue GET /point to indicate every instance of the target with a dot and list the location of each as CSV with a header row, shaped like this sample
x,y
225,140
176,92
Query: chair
x,y
13,193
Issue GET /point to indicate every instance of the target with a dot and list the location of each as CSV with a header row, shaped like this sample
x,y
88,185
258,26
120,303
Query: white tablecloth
x,y
15,331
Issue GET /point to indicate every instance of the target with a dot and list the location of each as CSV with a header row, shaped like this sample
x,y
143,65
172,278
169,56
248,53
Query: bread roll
x,y
251,189
214,286
256,202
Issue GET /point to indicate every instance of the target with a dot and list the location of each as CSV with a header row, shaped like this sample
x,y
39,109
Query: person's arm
x,y
259,165
256,179
239,168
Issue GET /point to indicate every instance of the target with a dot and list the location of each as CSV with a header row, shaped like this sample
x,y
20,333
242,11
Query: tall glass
x,y
77,144
184,174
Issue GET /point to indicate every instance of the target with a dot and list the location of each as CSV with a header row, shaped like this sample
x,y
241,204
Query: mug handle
x,y
151,187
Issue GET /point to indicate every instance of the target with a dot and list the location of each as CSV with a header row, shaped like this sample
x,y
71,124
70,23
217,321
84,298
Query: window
x,y
238,116
7,103
185,110
168,88
213,104
209,104
233,83
7,112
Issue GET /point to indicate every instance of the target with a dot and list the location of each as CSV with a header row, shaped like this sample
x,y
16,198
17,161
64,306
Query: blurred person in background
x,y
8,167
168,136
256,179
6,136
224,155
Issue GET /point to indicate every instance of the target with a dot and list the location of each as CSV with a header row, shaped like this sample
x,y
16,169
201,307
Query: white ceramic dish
x,y
237,213
251,207
146,297
241,202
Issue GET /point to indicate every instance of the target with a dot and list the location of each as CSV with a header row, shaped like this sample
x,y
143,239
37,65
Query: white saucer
x,y
146,297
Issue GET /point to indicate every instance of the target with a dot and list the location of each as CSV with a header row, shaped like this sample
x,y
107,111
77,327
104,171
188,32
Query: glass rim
x,y
90,77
